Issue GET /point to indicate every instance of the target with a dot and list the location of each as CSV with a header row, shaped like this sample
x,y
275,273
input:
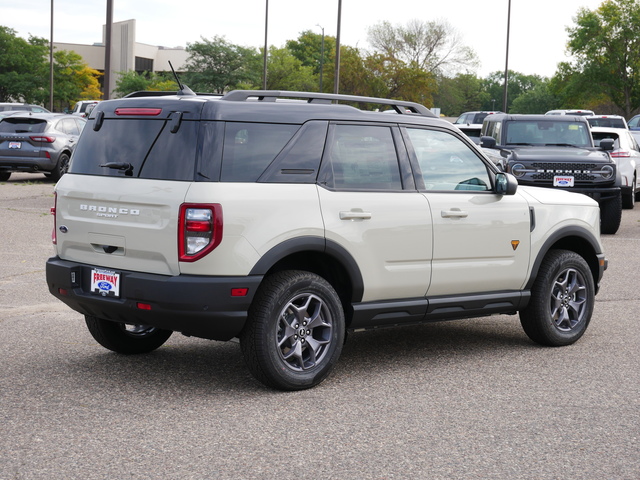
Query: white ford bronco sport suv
x,y
287,219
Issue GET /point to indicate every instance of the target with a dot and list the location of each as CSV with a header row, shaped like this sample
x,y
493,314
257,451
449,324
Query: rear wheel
x,y
295,331
562,300
126,338
61,167
629,198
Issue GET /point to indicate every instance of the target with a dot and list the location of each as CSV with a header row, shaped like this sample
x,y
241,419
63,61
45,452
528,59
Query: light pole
x,y
107,51
266,25
51,63
321,55
336,80
506,62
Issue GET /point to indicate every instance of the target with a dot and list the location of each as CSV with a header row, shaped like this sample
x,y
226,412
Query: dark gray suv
x,y
38,142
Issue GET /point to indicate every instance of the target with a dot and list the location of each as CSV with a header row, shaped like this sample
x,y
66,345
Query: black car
x,y
556,151
38,142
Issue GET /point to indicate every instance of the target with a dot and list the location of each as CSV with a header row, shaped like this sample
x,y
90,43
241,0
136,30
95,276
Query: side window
x,y
364,157
68,126
446,163
249,148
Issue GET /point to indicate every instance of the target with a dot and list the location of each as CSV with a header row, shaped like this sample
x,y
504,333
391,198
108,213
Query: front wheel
x,y
125,338
562,300
294,332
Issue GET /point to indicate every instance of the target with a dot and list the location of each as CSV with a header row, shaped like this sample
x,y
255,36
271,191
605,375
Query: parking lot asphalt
x,y
472,399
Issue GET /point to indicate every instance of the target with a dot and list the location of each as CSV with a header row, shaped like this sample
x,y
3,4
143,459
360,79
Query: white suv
x,y
288,218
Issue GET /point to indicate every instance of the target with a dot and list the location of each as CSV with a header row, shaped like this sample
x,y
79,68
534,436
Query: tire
x,y
124,338
611,215
629,199
562,300
280,349
61,167
4,176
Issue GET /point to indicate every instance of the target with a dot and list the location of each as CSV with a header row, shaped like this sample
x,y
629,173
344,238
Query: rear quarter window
x,y
249,148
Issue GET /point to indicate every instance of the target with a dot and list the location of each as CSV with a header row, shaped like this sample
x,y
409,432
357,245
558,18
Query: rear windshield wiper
x,y
126,166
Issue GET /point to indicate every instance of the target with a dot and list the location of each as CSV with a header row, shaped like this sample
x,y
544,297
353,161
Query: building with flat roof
x,y
127,54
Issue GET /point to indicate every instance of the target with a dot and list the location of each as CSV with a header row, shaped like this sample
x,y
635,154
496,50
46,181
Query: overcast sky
x,y
537,40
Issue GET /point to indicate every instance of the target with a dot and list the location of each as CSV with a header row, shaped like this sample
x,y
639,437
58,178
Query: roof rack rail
x,y
399,106
154,93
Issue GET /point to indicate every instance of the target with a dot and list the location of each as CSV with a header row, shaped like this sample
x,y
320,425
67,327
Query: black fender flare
x,y
558,236
314,244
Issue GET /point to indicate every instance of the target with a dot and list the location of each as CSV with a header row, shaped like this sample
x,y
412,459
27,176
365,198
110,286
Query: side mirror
x,y
487,142
606,144
506,184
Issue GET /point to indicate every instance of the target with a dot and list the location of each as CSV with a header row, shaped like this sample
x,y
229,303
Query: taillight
x,y
54,237
200,230
620,154
42,138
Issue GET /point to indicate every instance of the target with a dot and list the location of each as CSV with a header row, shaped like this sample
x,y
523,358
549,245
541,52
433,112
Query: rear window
x,y
607,122
22,125
152,151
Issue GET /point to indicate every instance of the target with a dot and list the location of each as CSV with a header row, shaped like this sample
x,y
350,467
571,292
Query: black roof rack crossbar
x,y
399,106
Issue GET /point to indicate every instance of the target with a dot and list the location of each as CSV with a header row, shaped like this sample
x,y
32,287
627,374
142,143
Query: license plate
x,y
105,283
559,181
15,144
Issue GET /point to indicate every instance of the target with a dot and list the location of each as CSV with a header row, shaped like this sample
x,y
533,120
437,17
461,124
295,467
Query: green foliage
x,y
286,72
308,49
73,80
131,81
217,66
606,45
462,93
25,73
24,67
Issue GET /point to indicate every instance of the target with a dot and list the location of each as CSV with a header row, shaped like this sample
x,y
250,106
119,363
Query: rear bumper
x,y
27,164
199,306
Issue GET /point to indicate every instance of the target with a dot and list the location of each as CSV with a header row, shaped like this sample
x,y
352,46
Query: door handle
x,y
454,213
355,215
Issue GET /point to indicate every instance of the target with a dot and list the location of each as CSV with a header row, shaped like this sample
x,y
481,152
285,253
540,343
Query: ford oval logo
x,y
104,286
563,182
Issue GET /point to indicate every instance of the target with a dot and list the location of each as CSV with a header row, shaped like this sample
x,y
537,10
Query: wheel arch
x,y
322,257
575,239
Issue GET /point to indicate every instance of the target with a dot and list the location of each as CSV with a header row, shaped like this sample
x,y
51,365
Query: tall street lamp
x,y
506,62
336,80
266,24
321,55
51,63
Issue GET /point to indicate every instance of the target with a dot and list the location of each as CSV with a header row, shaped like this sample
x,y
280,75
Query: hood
x,y
558,154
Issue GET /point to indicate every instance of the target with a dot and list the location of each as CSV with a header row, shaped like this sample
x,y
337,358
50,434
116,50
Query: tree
x,y
216,65
308,49
606,45
24,68
462,93
286,72
433,46
131,81
73,80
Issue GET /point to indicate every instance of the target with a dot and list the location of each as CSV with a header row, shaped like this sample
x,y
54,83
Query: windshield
x,y
536,132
